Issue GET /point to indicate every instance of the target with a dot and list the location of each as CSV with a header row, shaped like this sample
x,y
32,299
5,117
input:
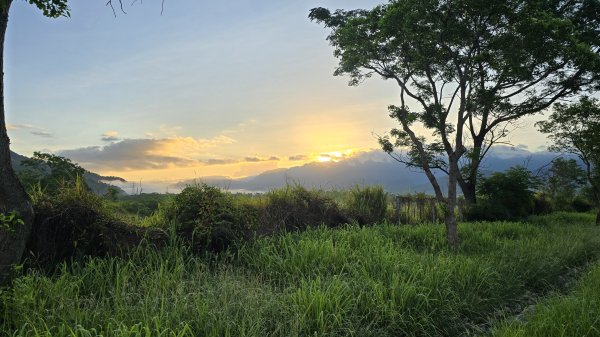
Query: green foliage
x,y
575,128
355,281
52,8
474,65
367,205
142,205
10,221
73,223
112,194
49,172
296,208
542,204
564,180
505,195
581,204
211,218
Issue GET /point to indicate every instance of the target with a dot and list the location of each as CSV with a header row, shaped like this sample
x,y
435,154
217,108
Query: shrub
x,y
72,223
296,208
542,204
367,205
207,216
505,195
581,204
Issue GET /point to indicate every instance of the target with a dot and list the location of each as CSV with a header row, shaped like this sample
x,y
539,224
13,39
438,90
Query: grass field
x,y
573,314
384,280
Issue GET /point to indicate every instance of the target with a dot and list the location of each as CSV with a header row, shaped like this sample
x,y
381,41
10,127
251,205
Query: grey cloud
x,y
109,139
220,161
34,130
42,133
128,154
253,159
258,159
298,157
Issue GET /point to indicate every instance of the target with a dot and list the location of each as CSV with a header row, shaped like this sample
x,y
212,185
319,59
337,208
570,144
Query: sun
x,y
324,159
334,156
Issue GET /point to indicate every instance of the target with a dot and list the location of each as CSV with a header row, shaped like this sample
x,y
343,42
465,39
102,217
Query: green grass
x,y
575,314
383,280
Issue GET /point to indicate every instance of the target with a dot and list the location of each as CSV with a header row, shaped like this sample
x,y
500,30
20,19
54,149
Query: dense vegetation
x,y
383,280
291,262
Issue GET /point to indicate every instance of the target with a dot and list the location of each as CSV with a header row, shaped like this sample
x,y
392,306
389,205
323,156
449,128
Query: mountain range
x,y
368,168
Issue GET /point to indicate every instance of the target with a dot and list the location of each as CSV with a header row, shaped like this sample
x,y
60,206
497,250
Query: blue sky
x,y
209,88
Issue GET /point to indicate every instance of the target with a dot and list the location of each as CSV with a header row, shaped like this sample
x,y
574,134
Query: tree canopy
x,y
466,69
575,128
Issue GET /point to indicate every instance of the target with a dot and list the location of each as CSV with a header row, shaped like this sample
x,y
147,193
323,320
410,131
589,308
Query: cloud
x,y
110,136
259,159
41,133
220,161
34,130
143,154
298,157
253,159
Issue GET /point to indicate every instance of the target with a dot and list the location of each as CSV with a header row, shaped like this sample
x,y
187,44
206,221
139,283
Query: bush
x,y
72,223
207,216
580,204
505,195
296,208
367,205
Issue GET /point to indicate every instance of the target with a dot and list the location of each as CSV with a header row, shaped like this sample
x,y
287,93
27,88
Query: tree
x,y
50,172
564,179
575,128
467,70
13,198
506,195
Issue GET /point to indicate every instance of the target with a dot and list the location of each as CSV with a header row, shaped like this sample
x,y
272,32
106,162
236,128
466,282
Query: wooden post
x,y
398,204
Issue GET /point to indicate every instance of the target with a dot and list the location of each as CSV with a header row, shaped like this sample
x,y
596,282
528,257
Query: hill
x,y
97,183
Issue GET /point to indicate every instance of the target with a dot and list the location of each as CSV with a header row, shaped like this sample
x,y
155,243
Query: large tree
x,y
575,128
13,198
467,70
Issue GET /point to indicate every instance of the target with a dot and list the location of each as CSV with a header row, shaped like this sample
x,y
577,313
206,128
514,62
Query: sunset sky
x,y
228,88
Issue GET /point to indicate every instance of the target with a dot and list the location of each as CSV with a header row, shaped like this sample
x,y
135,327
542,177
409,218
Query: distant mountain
x,y
369,168
96,182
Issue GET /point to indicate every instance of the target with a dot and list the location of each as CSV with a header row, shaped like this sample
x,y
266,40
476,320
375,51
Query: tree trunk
x,y
598,218
468,189
450,217
13,237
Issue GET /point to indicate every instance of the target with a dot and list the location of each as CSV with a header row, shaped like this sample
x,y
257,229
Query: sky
x,y
209,88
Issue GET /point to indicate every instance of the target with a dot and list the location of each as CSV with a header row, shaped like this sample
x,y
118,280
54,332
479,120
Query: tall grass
x,y
575,314
383,280
367,205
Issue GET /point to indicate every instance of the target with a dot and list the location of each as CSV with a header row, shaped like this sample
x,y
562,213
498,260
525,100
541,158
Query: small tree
x,y
575,128
564,179
466,71
506,195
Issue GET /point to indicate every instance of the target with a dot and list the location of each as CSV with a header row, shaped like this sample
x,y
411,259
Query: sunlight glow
x,y
333,156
